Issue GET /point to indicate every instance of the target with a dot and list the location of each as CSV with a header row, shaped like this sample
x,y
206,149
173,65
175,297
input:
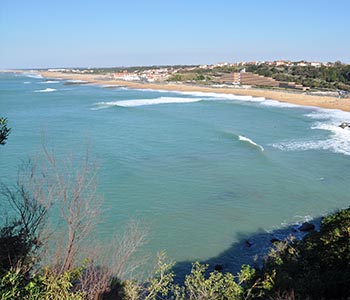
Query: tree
x,y
71,187
20,236
4,131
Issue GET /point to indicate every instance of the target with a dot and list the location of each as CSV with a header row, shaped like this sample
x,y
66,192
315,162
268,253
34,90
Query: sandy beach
x,y
282,96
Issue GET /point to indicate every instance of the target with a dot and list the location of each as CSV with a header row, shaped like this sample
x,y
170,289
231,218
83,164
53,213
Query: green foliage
x,y
162,280
188,76
216,286
329,77
317,267
4,131
175,77
15,286
198,284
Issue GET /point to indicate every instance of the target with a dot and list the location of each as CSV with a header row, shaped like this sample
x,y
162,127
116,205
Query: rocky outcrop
x,y
344,125
306,226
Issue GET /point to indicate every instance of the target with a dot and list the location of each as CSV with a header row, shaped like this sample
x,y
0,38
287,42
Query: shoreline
x,y
302,99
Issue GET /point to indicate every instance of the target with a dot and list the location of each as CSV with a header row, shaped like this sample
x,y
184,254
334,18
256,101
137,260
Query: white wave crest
x,y
47,90
32,75
333,115
223,96
50,81
26,82
76,81
245,139
276,103
338,141
144,102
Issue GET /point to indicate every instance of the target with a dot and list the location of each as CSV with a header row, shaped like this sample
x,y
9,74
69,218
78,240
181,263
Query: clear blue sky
x,y
62,33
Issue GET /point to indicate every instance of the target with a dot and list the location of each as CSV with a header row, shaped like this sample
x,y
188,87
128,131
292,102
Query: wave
x,y
337,141
26,82
275,103
47,90
32,75
111,86
224,96
76,81
50,81
333,115
199,96
145,102
249,141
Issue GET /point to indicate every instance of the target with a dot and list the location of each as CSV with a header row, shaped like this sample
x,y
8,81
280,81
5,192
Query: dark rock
x,y
248,243
218,268
344,125
274,240
306,227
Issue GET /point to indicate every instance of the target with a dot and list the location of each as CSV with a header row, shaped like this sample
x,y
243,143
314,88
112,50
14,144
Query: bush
x,y
15,286
317,267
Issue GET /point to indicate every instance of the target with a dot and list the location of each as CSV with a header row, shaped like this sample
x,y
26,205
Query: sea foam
x,y
328,120
338,140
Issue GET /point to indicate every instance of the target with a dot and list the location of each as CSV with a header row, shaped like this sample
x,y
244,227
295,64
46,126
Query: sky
x,y
107,33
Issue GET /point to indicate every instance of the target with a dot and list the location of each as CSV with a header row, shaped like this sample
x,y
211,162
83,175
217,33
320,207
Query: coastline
x,y
302,99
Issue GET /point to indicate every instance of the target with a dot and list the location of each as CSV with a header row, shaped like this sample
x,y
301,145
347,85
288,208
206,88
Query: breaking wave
x,y
337,141
275,103
50,81
249,141
76,81
145,102
199,96
47,90
32,75
222,96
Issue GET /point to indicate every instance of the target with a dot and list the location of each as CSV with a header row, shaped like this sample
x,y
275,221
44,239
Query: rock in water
x,y
274,240
344,125
306,227
218,268
248,243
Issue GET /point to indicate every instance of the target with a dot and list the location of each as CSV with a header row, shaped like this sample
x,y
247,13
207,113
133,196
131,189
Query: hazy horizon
x,y
109,34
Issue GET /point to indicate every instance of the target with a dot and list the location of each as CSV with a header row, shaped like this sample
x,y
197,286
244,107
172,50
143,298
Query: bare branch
x,y
73,189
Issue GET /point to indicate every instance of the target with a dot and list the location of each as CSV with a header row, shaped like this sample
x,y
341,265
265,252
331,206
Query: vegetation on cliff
x,y
332,77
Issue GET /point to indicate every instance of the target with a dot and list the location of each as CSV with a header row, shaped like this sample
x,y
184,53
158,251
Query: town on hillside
x,y
323,78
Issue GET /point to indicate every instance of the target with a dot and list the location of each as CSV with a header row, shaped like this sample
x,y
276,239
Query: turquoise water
x,y
199,170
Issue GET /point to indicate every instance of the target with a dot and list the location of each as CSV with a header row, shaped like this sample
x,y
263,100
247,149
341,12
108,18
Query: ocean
x,y
202,171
